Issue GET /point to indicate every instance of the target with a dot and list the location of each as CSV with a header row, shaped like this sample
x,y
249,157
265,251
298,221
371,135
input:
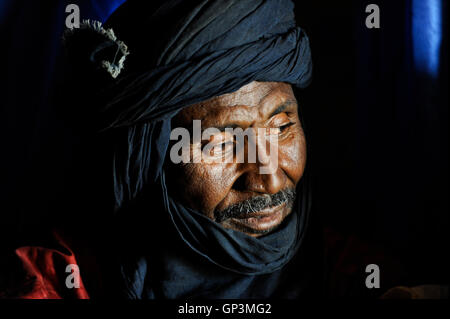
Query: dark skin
x,y
212,187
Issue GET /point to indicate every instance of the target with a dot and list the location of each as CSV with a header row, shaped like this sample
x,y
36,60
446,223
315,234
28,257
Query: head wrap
x,y
179,53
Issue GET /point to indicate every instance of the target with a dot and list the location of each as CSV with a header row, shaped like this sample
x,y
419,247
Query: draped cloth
x,y
181,53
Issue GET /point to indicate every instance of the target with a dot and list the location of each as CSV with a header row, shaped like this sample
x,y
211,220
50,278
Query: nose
x,y
262,173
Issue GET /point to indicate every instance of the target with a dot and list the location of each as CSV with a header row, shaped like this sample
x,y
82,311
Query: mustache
x,y
256,204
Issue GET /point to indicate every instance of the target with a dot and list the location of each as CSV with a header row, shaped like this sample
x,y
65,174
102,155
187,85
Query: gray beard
x,y
256,204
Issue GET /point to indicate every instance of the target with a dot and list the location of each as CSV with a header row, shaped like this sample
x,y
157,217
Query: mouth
x,y
260,222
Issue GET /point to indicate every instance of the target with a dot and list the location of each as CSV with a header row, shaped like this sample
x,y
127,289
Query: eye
x,y
281,121
222,146
285,126
219,145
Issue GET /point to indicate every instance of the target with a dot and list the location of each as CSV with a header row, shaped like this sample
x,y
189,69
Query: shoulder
x,y
37,272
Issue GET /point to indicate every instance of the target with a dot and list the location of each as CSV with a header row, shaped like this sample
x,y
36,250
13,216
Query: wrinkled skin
x,y
212,187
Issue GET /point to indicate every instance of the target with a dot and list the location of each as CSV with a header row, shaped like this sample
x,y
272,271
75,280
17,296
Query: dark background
x,y
378,111
376,122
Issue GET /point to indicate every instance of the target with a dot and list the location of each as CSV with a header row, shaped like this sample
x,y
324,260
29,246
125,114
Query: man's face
x,y
236,194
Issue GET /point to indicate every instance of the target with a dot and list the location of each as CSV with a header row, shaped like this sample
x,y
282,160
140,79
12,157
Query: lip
x,y
263,220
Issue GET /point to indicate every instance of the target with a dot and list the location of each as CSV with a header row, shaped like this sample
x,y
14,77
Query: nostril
x,y
240,184
249,183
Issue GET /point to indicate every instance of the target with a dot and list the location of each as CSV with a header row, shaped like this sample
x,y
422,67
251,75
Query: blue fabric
x,y
427,35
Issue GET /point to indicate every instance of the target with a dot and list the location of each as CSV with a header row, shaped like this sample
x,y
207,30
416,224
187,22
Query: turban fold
x,y
215,47
180,53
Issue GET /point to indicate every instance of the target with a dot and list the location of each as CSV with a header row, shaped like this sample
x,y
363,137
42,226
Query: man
x,y
219,229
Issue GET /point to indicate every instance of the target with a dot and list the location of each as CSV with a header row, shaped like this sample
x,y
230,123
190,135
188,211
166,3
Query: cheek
x,y
204,186
292,156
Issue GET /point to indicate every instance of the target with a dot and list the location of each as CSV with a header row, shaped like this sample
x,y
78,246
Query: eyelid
x,y
223,145
285,126
279,119
219,138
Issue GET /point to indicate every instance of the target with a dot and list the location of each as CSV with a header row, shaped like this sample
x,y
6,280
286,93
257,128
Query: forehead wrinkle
x,y
236,114
250,95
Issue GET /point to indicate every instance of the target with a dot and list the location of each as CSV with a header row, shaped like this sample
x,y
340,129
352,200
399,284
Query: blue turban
x,y
179,53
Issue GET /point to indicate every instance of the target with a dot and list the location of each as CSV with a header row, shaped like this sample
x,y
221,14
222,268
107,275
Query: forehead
x,y
252,97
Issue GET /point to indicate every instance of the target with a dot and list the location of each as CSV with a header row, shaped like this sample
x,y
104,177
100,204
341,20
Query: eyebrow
x,y
224,127
281,108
